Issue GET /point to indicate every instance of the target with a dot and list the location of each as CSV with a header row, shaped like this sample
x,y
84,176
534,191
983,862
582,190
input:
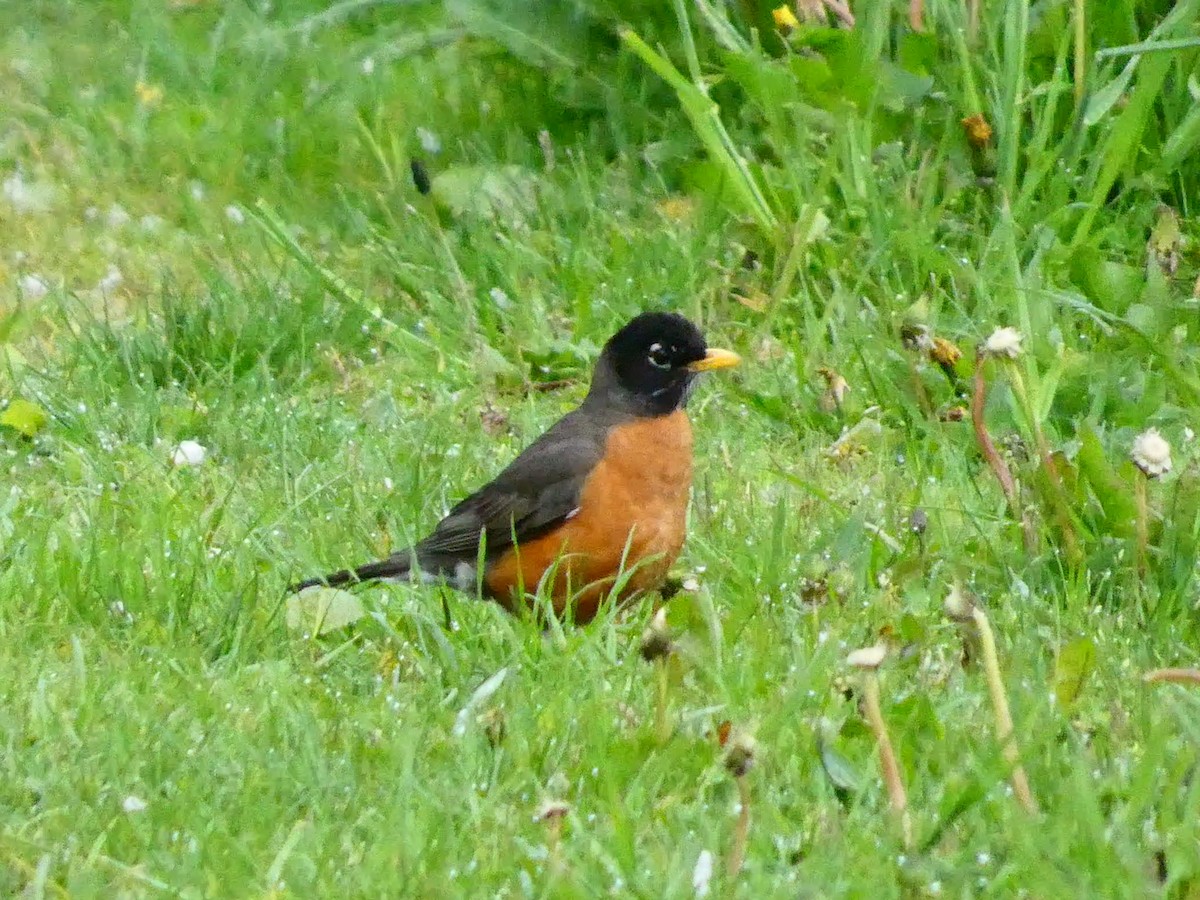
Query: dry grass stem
x,y
1172,676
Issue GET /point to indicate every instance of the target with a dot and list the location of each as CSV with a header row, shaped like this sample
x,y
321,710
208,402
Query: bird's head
x,y
653,361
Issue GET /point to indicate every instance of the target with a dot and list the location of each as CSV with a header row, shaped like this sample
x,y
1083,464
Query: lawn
x,y
960,264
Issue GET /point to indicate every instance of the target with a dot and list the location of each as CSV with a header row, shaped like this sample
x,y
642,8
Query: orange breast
x,y
632,519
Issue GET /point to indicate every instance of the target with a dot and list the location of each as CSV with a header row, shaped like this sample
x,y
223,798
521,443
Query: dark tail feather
x,y
392,567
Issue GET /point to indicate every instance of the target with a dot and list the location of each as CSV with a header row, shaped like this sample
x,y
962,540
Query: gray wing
x,y
538,490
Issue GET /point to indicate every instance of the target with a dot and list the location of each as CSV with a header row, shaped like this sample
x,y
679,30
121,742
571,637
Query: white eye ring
x,y
657,357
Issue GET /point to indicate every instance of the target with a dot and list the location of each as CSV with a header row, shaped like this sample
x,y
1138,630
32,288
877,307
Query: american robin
x,y
597,502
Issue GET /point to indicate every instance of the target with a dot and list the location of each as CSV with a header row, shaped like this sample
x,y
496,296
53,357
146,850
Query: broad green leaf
x,y
1104,99
320,610
768,82
486,191
24,417
1112,285
839,770
1074,663
918,53
1114,495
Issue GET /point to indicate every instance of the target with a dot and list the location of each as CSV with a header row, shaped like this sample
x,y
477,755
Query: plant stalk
x,y
992,456
887,756
741,833
1143,523
1004,723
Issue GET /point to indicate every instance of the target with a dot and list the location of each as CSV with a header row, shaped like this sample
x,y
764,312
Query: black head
x,y
651,363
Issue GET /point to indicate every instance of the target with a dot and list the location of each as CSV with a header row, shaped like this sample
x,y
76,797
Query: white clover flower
x,y
1151,453
133,804
1004,342
189,453
234,214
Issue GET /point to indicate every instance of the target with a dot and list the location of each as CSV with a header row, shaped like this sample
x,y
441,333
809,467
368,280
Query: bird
x,y
596,506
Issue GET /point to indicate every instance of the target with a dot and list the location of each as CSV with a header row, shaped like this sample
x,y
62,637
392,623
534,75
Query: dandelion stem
x,y
741,833
1057,494
995,462
916,15
554,842
662,719
887,756
1172,676
1143,523
1004,723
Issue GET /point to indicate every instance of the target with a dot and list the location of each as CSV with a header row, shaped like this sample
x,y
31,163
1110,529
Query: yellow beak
x,y
715,358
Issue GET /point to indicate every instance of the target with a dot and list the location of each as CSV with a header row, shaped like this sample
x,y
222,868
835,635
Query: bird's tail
x,y
395,566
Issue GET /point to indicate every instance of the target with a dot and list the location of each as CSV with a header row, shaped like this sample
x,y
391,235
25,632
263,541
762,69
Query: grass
x,y
165,733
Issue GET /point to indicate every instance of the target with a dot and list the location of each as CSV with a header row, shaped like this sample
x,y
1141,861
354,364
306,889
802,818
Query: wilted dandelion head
x,y
867,657
1004,343
959,605
1151,453
551,811
656,639
739,753
945,353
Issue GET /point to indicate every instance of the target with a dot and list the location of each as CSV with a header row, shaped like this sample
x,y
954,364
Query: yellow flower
x,y
677,209
979,132
944,353
148,94
785,19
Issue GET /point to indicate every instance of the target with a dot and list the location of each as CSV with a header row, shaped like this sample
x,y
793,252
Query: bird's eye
x,y
659,357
